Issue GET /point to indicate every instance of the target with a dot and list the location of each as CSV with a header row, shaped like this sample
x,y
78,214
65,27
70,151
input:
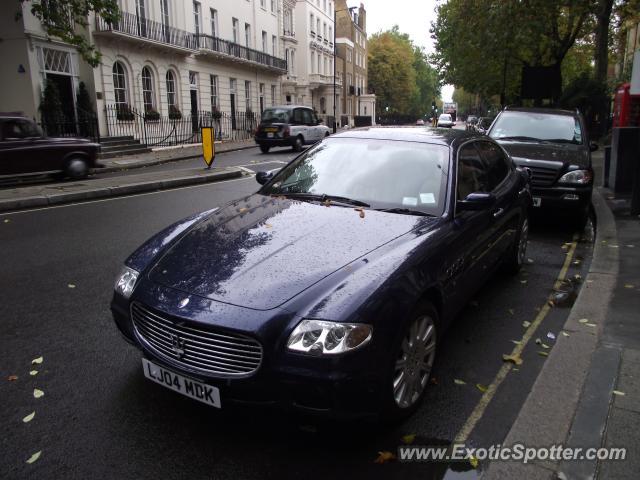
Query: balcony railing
x,y
137,26
288,33
236,50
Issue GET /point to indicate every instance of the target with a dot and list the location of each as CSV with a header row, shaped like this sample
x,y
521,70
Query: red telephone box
x,y
626,107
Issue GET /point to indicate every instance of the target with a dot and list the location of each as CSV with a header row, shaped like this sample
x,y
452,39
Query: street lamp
x,y
335,31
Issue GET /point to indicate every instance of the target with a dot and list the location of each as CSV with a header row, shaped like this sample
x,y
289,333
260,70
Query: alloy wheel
x,y
522,243
414,362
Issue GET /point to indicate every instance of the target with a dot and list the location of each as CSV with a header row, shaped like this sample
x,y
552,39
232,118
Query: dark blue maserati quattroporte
x,y
328,290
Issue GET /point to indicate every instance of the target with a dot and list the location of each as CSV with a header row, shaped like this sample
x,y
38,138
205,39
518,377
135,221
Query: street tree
x,y
68,19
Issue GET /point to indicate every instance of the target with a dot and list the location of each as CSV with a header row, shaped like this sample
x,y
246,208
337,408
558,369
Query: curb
x,y
153,163
54,199
547,415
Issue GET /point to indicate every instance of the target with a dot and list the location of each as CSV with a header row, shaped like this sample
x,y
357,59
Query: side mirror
x,y
476,201
264,177
593,146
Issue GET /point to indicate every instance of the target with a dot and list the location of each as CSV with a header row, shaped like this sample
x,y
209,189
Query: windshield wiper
x,y
322,197
406,211
522,138
561,140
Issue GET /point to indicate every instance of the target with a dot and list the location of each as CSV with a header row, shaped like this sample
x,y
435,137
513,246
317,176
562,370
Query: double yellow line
x,y
488,395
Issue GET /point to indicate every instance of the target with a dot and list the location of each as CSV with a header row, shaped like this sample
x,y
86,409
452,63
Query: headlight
x,y
320,337
581,177
126,281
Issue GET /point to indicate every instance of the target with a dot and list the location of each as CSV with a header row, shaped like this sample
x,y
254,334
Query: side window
x,y
472,176
497,163
18,129
308,117
298,117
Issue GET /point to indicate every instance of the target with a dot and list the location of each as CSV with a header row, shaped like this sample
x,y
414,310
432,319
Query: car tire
x,y
298,143
326,134
518,251
410,365
76,168
264,148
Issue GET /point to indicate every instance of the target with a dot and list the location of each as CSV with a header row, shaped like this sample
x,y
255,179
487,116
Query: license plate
x,y
186,386
270,129
269,134
537,201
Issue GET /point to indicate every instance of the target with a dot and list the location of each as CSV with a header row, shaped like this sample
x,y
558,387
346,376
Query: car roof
x,y
552,111
287,107
440,136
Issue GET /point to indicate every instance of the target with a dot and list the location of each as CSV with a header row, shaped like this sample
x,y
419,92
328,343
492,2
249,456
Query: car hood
x,y
567,154
261,251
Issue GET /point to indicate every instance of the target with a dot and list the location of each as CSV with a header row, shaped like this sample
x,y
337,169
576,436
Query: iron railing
x,y
137,26
85,125
153,129
226,47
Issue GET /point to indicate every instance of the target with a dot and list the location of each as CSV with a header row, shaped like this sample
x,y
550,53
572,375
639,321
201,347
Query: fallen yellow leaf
x,y
34,457
268,225
6,220
526,324
583,320
619,393
37,360
37,393
482,388
565,334
12,378
511,311
457,381
384,457
590,324
29,417
473,461
517,342
629,285
515,359
543,354
71,285
33,373
408,439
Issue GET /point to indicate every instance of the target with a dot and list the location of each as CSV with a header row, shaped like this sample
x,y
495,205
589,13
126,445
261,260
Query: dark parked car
x,y
483,124
24,150
328,290
289,125
555,146
471,122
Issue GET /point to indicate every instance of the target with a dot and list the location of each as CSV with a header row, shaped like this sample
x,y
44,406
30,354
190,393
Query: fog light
x,y
571,196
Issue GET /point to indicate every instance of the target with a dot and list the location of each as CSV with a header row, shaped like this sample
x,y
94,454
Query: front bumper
x,y
564,198
345,386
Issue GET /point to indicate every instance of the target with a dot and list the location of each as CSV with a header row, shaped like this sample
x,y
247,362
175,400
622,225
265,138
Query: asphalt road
x,y
100,418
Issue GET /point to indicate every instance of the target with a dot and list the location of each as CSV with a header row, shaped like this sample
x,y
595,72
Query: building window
x,y
330,34
324,5
120,85
247,35
311,24
318,26
263,4
293,62
349,55
273,6
171,90
236,29
164,14
214,22
214,92
326,66
324,30
196,17
313,62
319,63
147,89
273,94
247,95
274,45
265,48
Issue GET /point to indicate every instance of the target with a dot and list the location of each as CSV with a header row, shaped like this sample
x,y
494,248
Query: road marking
x,y
260,163
487,396
75,204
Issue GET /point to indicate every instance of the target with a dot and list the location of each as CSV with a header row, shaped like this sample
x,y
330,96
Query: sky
x,y
412,16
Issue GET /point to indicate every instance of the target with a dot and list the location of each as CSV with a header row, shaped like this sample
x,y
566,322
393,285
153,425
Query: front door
x,y
233,111
194,110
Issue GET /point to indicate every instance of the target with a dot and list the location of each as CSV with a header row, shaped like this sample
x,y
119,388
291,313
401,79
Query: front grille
x,y
543,176
208,351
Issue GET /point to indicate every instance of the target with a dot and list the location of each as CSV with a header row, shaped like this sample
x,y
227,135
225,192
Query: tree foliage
x,y
482,45
400,74
67,20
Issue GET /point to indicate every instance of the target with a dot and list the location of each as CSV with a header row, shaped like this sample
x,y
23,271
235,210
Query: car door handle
x,y
498,213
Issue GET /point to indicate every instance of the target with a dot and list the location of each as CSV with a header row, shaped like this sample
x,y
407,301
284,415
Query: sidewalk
x,y
46,194
572,402
167,154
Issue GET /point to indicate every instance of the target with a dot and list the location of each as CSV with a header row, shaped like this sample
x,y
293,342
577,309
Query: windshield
x,y
275,115
385,174
537,126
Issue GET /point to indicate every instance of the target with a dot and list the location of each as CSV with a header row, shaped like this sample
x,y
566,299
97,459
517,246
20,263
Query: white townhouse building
x,y
308,38
163,62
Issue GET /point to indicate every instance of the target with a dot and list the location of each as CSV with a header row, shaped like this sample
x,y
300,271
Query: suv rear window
x,y
537,126
275,115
